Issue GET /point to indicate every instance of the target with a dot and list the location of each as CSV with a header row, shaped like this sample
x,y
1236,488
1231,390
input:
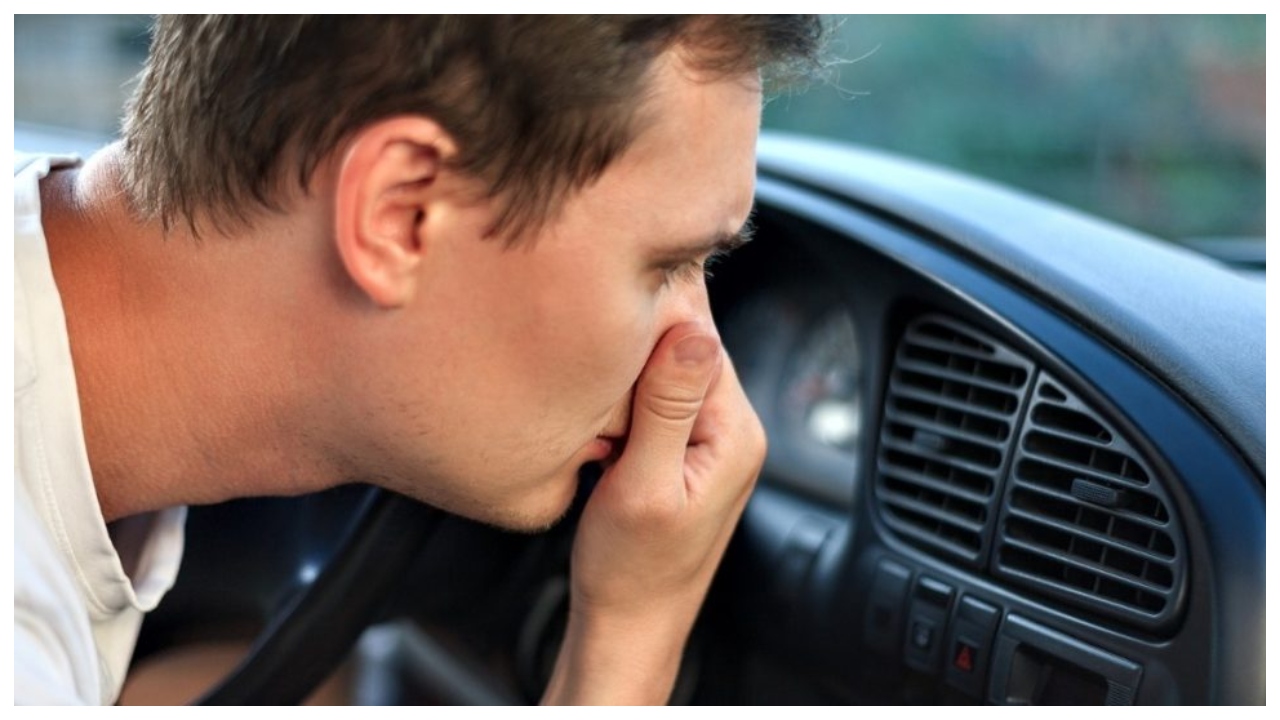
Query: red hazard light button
x,y
963,658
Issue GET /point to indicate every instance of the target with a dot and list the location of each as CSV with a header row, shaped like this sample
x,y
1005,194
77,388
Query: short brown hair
x,y
231,109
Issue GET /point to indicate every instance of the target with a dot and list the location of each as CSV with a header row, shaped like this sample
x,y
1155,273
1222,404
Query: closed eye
x,y
695,269
691,262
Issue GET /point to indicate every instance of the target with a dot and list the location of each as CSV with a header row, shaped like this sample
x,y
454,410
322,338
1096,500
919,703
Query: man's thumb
x,y
670,392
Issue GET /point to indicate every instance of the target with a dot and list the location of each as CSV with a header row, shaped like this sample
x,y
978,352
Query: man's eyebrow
x,y
717,244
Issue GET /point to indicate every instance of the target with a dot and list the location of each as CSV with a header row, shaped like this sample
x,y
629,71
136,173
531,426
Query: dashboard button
x,y
970,645
883,622
922,634
930,605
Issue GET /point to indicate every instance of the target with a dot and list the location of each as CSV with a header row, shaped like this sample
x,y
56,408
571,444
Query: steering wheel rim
x,y
303,643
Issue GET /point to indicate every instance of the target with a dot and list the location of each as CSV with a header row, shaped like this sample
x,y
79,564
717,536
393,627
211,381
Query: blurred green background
x,y
1154,121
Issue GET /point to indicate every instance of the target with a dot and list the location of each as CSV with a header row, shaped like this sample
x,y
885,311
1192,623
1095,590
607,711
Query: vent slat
x,y
1067,498
955,376
1084,469
1081,587
923,423
981,483
1087,458
1069,423
964,511
935,455
955,543
983,368
922,395
1068,437
1101,572
945,332
940,486
932,512
984,354
1103,539
1000,401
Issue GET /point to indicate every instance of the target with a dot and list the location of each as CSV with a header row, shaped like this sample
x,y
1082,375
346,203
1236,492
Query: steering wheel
x,y
308,639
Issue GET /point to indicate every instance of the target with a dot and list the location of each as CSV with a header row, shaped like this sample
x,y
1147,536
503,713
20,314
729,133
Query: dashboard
x,y
973,494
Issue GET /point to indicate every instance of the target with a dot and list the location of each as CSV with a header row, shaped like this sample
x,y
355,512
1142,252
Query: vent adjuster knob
x,y
1098,494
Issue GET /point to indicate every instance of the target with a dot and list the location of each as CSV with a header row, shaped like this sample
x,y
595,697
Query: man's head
x,y
375,156
234,113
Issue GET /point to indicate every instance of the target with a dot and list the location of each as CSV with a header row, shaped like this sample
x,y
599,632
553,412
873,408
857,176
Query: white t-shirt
x,y
76,614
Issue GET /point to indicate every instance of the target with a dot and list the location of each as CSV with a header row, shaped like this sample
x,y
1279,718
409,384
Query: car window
x,y
1154,122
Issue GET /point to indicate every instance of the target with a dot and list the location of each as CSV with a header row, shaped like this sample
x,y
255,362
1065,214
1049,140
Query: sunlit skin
x,y
542,344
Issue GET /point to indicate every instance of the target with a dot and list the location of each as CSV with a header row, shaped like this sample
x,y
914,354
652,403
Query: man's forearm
x,y
631,661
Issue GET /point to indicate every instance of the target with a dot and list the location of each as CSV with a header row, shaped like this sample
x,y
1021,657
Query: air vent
x,y
949,419
1084,519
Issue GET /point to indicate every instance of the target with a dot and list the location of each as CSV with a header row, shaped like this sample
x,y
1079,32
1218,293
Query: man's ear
x,y
387,184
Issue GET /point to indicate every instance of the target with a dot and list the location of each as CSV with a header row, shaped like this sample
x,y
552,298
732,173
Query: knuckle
x,y
672,406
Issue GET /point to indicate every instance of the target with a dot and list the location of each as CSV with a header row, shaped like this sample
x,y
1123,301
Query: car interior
x,y
1017,456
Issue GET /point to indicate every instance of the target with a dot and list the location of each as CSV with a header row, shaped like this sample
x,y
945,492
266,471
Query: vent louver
x,y
1084,518
949,420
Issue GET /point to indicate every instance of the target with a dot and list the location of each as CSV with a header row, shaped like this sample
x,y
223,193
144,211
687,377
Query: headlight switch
x,y
927,624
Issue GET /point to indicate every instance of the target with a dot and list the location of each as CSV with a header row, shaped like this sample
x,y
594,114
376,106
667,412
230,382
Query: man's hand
x,y
656,525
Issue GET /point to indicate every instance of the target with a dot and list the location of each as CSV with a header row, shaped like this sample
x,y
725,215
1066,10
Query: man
x,y
454,257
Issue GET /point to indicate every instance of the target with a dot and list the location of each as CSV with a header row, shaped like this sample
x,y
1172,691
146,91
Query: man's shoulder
x,y
22,160
41,163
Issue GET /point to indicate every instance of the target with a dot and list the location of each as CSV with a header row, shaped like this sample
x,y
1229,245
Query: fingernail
x,y
696,349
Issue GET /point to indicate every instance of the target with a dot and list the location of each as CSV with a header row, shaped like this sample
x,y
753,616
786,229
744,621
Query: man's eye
x,y
682,272
691,269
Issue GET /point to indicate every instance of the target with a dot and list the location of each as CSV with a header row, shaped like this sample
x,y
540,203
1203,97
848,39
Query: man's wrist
x,y
618,659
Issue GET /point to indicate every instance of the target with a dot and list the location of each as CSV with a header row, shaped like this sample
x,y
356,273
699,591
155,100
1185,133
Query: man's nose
x,y
693,304
690,303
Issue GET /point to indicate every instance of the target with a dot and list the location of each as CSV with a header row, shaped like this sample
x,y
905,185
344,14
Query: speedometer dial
x,y
805,378
822,392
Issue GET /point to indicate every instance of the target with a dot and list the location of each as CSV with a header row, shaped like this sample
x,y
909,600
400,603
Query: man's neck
x,y
185,368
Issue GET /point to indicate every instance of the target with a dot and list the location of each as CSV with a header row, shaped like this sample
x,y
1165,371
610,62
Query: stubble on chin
x,y
537,514
535,520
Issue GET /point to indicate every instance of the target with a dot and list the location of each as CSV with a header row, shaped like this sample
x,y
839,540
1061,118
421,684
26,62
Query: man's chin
x,y
528,524
536,514
550,509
